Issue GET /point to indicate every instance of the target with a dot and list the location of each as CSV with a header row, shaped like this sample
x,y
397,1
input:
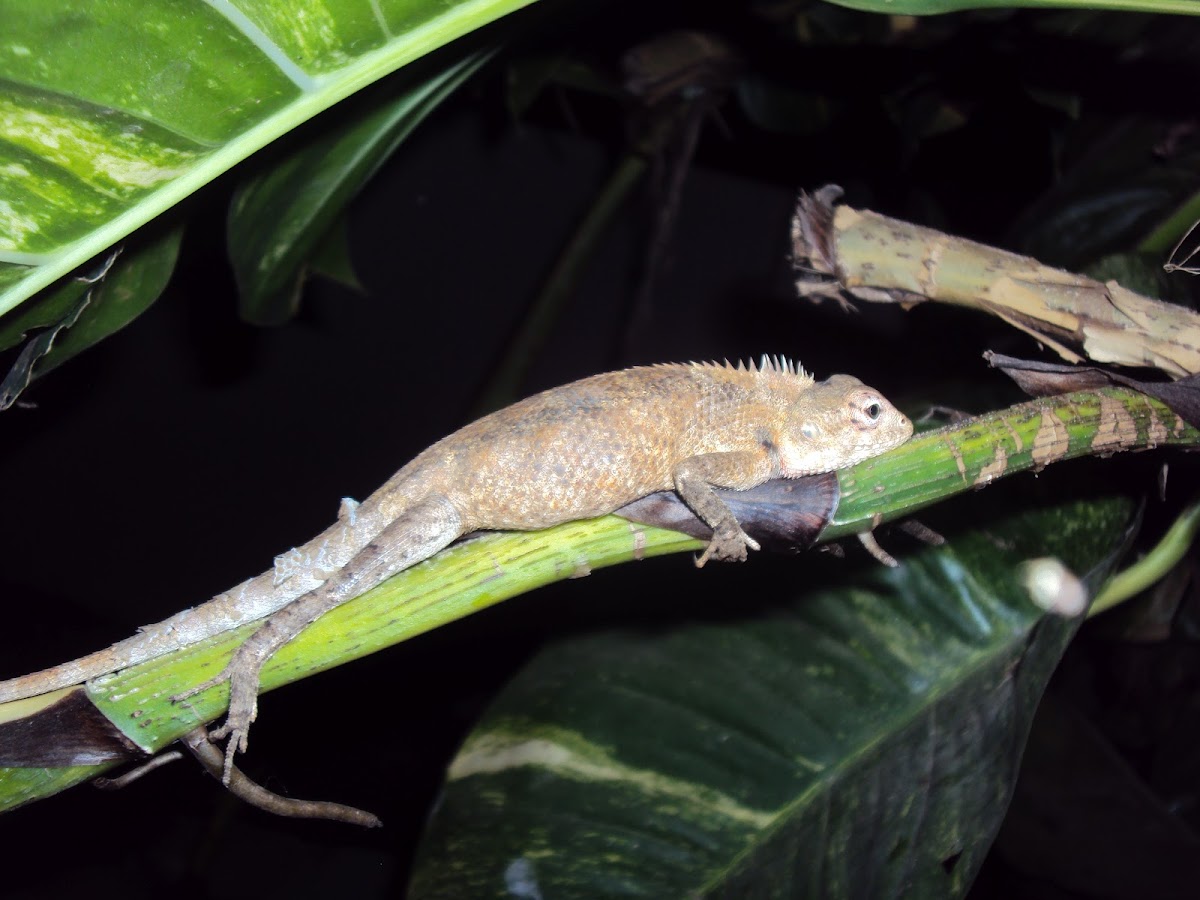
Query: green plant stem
x,y
480,573
1154,565
1169,231
1024,438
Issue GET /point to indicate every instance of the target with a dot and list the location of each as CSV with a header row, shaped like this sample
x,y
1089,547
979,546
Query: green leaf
x,y
861,741
331,256
84,311
277,219
21,373
138,277
49,310
93,150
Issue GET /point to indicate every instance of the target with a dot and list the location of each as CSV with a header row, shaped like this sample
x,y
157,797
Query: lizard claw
x,y
236,744
243,710
728,547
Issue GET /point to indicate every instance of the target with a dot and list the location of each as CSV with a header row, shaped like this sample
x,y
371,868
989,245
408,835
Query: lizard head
x,y
837,423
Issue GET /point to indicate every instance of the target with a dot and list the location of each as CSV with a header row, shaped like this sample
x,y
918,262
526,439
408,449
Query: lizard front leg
x,y
695,478
415,535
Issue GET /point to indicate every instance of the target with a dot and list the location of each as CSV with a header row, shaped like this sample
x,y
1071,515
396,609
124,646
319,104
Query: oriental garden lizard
x,y
577,451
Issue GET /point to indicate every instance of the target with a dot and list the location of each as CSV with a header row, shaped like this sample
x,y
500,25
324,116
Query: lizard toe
x,y
201,688
733,546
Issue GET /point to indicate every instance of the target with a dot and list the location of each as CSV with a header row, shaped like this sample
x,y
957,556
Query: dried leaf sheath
x,y
884,260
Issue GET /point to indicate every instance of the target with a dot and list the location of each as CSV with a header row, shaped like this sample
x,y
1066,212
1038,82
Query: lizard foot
x,y
243,707
727,546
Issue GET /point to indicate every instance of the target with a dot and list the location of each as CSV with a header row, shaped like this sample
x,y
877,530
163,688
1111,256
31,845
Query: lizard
x,y
576,451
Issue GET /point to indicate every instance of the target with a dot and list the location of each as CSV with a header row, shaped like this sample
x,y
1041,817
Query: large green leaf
x,y
85,310
857,742
111,113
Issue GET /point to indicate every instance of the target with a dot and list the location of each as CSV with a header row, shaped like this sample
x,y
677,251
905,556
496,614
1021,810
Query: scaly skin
x,y
572,452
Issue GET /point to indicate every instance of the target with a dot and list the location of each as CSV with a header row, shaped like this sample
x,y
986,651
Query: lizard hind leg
x,y
694,478
416,534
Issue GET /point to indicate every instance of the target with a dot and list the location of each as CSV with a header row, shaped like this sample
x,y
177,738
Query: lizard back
x,y
589,447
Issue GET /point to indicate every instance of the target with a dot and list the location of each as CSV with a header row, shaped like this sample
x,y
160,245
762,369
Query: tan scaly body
x,y
572,452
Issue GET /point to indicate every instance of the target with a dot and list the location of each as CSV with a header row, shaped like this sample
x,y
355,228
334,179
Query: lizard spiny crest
x,y
780,365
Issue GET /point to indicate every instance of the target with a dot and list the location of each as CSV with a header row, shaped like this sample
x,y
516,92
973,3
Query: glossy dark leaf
x,y
858,742
50,309
138,277
85,311
114,112
331,258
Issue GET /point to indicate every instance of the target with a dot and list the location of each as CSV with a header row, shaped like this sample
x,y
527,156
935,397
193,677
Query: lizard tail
x,y
151,641
65,675
295,573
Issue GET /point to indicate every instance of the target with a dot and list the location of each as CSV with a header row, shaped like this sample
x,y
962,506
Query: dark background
x,y
180,456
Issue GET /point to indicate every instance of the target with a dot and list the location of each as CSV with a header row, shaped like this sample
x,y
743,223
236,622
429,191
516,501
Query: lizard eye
x,y
809,431
866,410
